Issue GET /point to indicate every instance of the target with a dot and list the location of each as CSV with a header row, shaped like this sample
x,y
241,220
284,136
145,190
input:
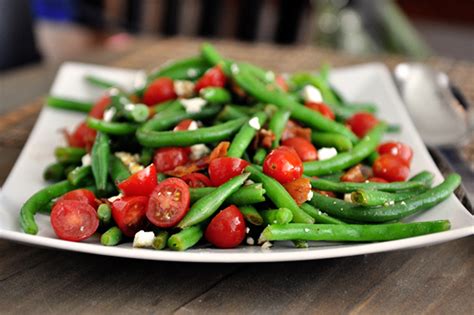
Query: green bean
x,y
46,209
277,216
111,237
100,156
319,216
186,238
125,108
79,174
259,156
160,240
424,177
277,124
39,200
251,215
100,82
214,58
168,106
54,172
244,137
347,187
377,198
161,177
398,210
117,170
208,205
69,155
112,128
215,95
230,112
335,177
104,214
278,195
146,156
184,69
300,243
372,157
328,139
340,162
186,138
351,232
393,128
69,104
245,195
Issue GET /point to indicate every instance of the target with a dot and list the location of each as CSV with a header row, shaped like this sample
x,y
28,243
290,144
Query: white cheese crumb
x,y
248,182
250,241
403,203
86,159
326,153
193,125
310,195
312,94
348,198
269,76
129,107
114,91
193,105
143,239
139,81
234,68
254,123
130,160
192,72
109,114
183,88
198,151
113,198
267,245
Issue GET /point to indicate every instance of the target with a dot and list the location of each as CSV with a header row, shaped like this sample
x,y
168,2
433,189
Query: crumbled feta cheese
x,y
270,76
247,230
348,198
130,160
143,239
113,198
193,105
109,114
403,203
267,245
255,123
312,94
139,81
86,159
183,88
114,91
198,151
129,107
250,241
193,125
310,195
326,153
192,72
234,68
248,182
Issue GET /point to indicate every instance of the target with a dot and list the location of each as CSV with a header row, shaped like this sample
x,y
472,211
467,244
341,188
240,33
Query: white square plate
x,y
369,82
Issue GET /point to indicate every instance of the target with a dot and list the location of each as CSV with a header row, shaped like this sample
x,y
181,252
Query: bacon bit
x,y
293,129
325,193
263,139
134,98
357,174
299,189
237,90
220,150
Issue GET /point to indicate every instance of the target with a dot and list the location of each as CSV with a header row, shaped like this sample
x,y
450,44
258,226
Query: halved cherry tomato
x,y
99,107
322,108
129,214
160,90
281,82
82,195
299,189
141,183
227,228
74,220
391,168
361,123
224,168
81,137
377,180
196,180
183,125
168,203
213,77
357,174
283,164
167,159
398,149
304,148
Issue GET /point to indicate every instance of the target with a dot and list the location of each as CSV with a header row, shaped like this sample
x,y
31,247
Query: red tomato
x,y
141,183
224,168
377,180
281,82
227,228
299,189
82,195
283,164
361,123
391,168
160,90
82,136
73,220
168,203
357,174
398,149
196,180
130,214
99,107
304,148
213,77
322,108
183,125
167,159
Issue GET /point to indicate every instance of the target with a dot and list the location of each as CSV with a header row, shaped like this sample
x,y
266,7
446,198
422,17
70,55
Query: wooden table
x,y
436,279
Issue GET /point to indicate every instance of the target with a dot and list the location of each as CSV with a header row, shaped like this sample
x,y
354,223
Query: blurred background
x,y
56,30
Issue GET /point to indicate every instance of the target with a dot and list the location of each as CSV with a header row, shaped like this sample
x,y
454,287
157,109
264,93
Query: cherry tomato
x,y
141,183
397,149
82,195
99,107
129,214
73,220
322,108
283,164
227,228
213,77
281,82
299,189
391,168
81,137
168,203
224,168
196,180
361,123
377,180
304,148
183,125
167,159
160,90
357,174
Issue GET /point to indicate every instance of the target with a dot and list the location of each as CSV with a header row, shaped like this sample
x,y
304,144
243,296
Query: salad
x,y
210,151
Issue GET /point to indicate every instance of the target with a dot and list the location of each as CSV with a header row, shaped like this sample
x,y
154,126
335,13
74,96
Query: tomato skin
x,y
304,148
361,123
183,125
322,108
160,90
99,107
398,149
197,180
377,180
281,82
283,164
81,137
73,220
129,213
213,77
227,228
82,195
141,183
224,168
168,203
391,168
167,159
